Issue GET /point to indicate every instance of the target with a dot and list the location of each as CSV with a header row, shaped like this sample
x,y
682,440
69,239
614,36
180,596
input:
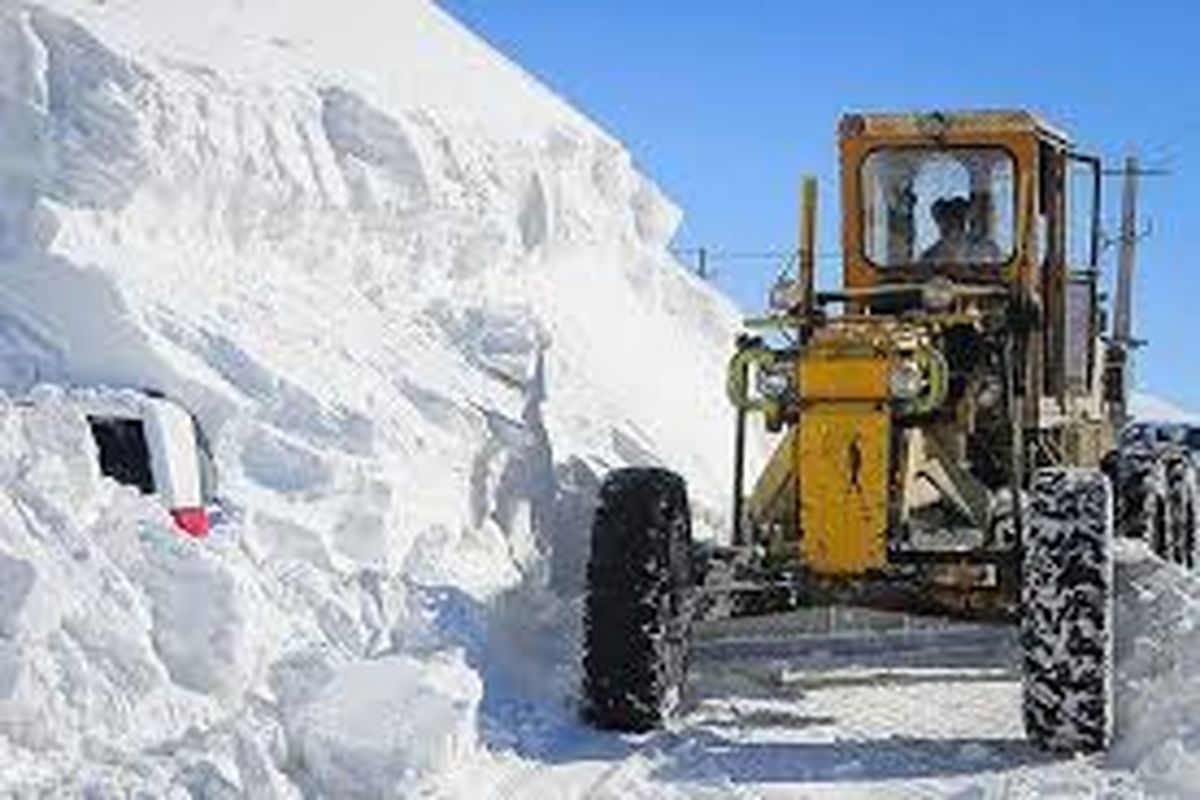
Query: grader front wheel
x,y
637,615
1067,612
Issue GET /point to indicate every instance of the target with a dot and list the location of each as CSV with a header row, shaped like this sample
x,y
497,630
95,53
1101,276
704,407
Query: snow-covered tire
x,y
1142,506
636,613
1182,497
1067,612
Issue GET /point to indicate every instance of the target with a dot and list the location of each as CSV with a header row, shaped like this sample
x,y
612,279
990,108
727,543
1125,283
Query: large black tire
x,y
1182,496
1067,612
1142,503
636,614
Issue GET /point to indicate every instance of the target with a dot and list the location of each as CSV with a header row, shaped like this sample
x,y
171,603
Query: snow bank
x,y
1158,679
419,305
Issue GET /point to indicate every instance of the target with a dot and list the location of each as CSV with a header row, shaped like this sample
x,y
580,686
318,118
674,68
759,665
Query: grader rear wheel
x,y
1183,494
1143,509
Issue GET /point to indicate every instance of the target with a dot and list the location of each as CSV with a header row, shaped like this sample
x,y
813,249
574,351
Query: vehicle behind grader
x,y
946,432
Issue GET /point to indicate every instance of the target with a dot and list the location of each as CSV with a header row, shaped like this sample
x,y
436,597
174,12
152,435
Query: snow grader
x,y
946,431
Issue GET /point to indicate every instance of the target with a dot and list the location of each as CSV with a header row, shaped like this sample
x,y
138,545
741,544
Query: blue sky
x,y
726,104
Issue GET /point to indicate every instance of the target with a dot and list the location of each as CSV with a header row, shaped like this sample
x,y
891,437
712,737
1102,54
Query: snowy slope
x,y
419,305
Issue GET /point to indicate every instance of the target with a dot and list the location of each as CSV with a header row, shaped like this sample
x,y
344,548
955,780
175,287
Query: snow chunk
x,y
379,727
16,581
381,164
199,614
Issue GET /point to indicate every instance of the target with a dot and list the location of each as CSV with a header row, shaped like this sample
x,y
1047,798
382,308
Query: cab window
x,y
938,206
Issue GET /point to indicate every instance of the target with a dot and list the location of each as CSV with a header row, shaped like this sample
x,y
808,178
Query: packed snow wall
x,y
419,306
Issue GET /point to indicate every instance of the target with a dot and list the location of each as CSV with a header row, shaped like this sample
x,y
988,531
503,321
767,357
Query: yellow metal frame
x,y
827,493
842,457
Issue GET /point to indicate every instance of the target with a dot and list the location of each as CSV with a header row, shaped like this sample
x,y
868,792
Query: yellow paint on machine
x,y
828,374
843,458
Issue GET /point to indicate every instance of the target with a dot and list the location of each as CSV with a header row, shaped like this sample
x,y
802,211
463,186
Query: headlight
x,y
907,380
786,295
991,392
937,294
775,381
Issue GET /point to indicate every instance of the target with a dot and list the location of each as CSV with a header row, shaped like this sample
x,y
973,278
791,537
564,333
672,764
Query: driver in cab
x,y
958,242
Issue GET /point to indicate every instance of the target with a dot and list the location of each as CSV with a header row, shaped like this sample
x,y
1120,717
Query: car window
x,y
123,453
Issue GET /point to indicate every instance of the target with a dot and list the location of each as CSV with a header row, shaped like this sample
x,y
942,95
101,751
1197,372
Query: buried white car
x,y
150,442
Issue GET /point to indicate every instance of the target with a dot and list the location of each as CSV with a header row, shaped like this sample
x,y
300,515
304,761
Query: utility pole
x,y
1123,344
1123,319
1122,336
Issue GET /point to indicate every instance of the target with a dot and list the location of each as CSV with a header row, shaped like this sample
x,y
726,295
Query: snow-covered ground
x,y
419,305
910,713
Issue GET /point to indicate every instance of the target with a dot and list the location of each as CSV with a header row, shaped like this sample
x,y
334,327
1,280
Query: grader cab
x,y
945,431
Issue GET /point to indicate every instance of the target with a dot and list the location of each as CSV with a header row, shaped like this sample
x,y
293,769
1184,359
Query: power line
x,y
705,260
1141,172
1130,171
746,255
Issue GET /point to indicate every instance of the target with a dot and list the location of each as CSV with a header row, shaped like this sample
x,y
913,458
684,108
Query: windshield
x,y
938,206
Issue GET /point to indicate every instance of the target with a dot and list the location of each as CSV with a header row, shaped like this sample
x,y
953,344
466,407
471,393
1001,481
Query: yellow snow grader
x,y
947,432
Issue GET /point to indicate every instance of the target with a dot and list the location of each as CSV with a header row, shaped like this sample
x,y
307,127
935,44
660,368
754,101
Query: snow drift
x,y
418,304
